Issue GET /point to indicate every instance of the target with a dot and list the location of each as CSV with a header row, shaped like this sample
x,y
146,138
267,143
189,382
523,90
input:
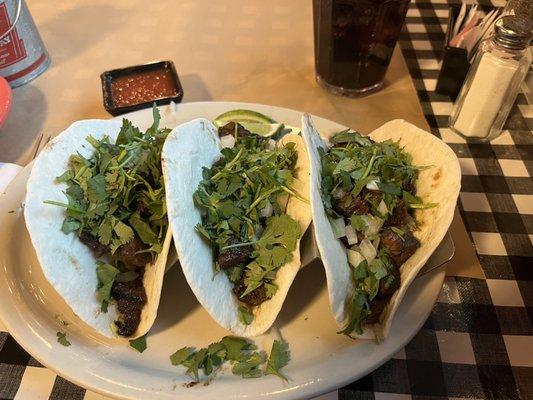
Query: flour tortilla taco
x,y
95,210
381,205
237,214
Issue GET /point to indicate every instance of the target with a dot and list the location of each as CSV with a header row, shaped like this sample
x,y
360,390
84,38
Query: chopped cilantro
x,y
246,315
106,275
139,344
358,223
62,339
398,231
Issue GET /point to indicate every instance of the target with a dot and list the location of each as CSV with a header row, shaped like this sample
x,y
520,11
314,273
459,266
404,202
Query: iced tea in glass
x,y
354,41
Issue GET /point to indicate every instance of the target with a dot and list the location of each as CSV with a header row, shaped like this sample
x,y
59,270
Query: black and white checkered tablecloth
x,y
478,341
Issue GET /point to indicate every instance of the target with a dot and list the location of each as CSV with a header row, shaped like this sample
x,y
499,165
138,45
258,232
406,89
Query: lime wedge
x,y
243,116
261,129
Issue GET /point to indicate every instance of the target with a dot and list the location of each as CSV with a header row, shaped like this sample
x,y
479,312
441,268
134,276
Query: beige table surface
x,y
252,51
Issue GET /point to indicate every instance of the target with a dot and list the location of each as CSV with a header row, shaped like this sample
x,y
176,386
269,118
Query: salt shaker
x,y
493,81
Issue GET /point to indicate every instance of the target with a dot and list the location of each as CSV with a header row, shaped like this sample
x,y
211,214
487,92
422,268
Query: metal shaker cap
x,y
513,32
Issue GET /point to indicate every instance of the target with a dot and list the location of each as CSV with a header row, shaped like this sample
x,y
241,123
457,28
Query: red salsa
x,y
142,86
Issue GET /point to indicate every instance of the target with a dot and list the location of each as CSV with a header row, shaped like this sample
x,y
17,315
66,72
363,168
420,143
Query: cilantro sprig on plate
x,y
239,352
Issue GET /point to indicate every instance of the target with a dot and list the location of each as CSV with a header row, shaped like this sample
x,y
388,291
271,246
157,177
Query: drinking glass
x,y
354,41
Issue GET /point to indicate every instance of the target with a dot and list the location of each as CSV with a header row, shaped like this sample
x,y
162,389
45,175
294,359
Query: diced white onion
x,y
382,208
267,210
337,224
354,257
367,250
373,184
271,144
373,224
338,193
351,235
227,141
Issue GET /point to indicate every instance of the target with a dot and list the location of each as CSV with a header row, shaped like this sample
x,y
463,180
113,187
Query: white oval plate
x,y
321,359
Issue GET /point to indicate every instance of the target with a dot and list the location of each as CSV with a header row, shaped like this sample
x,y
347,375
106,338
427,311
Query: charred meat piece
x,y
372,196
92,242
399,248
377,305
127,253
389,284
229,129
348,205
234,256
143,209
344,239
130,298
400,215
254,298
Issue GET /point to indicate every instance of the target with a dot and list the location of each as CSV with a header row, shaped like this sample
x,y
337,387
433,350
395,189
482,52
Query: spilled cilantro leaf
x,y
181,355
250,367
279,357
139,344
240,353
62,339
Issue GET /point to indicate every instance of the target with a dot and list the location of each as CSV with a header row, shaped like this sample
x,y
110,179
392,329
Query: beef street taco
x,y
95,210
381,205
237,217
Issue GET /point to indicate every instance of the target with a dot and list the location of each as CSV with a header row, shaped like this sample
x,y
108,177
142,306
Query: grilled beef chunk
x,y
127,253
92,242
389,284
400,215
344,239
400,248
143,209
234,256
254,298
377,305
229,129
372,196
348,205
130,297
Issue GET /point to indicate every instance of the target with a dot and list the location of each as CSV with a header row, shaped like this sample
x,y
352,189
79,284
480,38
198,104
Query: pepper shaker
x,y
493,81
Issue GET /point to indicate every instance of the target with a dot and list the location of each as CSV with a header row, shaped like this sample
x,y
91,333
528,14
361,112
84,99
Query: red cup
x,y
5,100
